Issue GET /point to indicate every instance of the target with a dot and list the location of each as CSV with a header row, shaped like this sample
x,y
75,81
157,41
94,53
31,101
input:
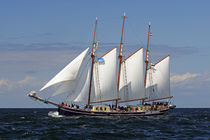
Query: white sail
x,y
132,77
69,73
158,80
64,87
73,87
104,80
105,77
82,87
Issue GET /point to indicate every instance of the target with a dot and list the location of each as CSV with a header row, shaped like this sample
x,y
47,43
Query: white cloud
x,y
182,77
5,83
11,85
191,81
26,80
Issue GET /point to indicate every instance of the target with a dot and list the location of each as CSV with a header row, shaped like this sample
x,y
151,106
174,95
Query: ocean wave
x,y
54,114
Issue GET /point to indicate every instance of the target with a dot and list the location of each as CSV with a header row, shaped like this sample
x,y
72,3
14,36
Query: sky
x,y
38,38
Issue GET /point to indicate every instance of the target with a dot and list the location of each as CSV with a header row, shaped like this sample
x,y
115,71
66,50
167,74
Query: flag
x,y
150,33
100,60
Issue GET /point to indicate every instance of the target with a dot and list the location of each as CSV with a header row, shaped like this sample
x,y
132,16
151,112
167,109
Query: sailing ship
x,y
105,85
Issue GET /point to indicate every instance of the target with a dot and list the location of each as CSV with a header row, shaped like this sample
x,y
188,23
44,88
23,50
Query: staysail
x,y
131,77
69,73
82,86
158,80
74,87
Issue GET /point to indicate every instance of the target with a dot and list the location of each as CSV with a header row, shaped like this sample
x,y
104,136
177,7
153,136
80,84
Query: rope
x,y
125,81
97,81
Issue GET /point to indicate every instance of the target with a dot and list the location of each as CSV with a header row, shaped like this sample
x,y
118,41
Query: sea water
x,y
47,124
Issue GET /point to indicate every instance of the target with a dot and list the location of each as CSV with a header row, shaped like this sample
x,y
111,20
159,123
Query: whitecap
x,y
54,114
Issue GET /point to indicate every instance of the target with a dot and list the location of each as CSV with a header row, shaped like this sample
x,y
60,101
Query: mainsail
x,y
105,77
104,80
132,77
69,73
158,80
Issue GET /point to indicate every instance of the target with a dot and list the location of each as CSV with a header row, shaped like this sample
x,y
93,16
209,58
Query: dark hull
x,y
79,112
67,111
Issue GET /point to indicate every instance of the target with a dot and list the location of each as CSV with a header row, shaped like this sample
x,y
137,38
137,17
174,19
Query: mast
x,y
146,57
93,58
120,56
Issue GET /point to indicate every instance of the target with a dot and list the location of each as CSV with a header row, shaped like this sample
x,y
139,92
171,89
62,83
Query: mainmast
x,y
146,57
93,58
120,56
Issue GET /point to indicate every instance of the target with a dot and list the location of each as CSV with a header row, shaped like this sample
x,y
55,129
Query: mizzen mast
x,y
146,57
93,58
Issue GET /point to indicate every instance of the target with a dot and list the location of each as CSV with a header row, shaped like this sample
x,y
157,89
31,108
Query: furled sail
x,y
131,77
69,73
105,77
158,80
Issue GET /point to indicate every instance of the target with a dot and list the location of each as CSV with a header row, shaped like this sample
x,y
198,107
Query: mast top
x,y
124,14
149,23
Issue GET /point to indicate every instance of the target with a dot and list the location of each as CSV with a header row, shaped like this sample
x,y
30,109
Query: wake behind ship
x,y
109,85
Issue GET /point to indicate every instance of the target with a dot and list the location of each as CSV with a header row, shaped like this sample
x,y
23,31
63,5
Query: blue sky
x,y
38,38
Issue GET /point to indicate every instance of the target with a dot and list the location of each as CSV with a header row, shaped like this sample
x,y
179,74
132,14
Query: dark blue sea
x,y
46,124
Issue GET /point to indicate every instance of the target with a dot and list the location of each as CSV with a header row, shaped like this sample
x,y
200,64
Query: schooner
x,y
98,81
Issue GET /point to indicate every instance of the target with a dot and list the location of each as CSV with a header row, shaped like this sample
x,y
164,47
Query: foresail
x,y
158,80
73,87
105,77
64,87
69,73
81,89
132,77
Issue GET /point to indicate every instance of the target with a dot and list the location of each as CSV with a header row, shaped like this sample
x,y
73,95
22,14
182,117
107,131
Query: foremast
x,y
120,57
93,58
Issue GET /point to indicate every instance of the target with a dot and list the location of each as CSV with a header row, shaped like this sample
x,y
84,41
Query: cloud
x,y
182,77
12,85
160,51
24,36
39,46
17,64
191,81
5,83
27,80
157,50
